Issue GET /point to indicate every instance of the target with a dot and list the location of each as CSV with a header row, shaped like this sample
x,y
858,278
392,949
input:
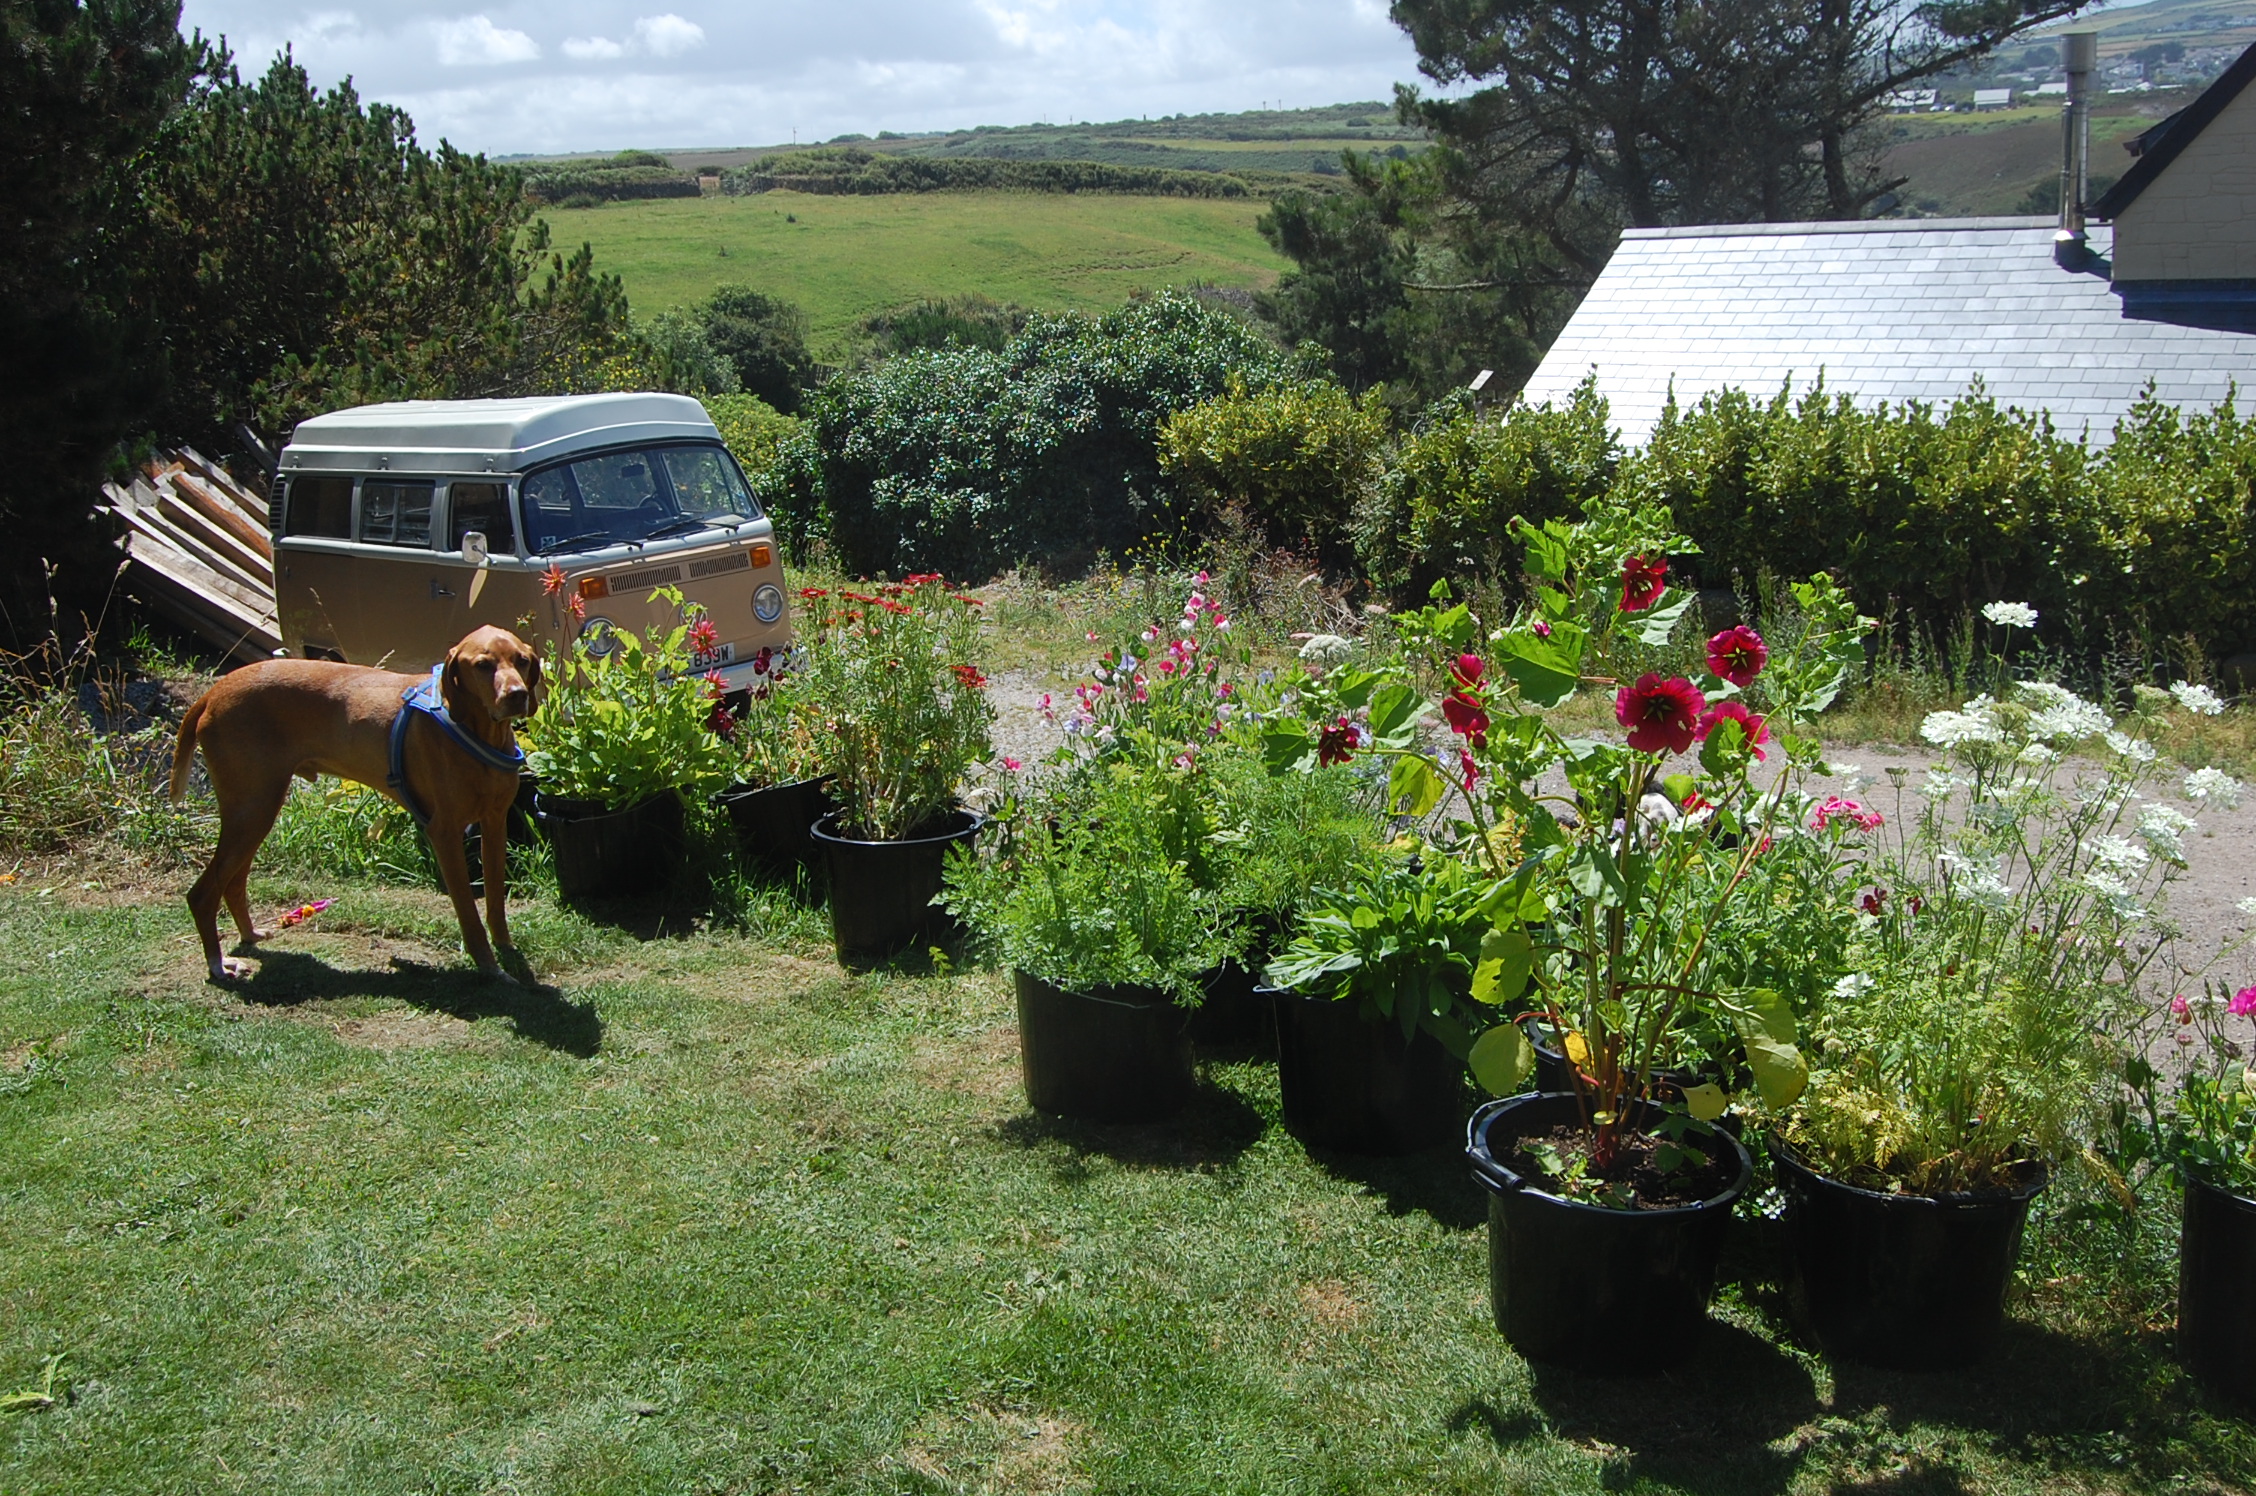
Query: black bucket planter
x,y
881,892
606,853
2217,1291
1358,1086
774,823
1582,1286
1552,1072
1910,1282
1235,1011
1119,1054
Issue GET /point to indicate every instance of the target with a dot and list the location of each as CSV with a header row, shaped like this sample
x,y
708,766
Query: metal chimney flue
x,y
2079,52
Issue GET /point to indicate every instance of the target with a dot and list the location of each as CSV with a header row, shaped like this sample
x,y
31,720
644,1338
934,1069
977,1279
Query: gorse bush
x,y
968,462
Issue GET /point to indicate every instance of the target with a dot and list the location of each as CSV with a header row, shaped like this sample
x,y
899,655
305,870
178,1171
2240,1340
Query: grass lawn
x,y
705,1214
846,258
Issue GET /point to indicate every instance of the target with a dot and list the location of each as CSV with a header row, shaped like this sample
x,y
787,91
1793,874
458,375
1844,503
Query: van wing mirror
x,y
474,548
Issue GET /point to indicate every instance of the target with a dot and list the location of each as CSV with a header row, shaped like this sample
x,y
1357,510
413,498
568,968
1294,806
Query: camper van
x,y
398,528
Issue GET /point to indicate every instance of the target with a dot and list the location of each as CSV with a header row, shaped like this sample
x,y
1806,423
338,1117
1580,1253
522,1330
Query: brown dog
x,y
278,718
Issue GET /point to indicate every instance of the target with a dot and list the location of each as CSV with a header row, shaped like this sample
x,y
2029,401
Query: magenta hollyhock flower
x,y
1468,769
1462,708
1336,744
2244,1002
1737,654
1644,579
1660,714
1750,723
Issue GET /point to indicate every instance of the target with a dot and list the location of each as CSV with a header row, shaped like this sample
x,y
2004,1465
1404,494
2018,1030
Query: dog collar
x,y
425,696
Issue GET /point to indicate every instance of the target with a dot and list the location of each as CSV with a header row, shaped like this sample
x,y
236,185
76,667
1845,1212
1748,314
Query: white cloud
x,y
593,48
667,35
475,41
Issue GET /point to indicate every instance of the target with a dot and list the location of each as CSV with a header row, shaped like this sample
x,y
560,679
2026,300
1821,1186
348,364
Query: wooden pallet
x,y
198,551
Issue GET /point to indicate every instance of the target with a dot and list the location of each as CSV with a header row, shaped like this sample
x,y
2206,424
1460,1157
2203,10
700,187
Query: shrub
x,y
764,338
851,171
751,428
969,462
1298,455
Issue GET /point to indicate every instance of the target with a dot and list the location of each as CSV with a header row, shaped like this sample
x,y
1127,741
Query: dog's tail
x,y
184,748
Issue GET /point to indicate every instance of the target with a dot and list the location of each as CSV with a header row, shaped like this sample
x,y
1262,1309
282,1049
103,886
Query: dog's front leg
x,y
454,868
493,855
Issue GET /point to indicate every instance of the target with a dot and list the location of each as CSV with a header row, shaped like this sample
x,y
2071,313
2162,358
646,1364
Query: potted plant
x,y
904,716
2006,935
778,792
624,730
1093,907
1599,904
1374,1008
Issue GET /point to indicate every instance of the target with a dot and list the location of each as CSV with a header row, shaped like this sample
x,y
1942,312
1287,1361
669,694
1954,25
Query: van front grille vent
x,y
649,576
713,566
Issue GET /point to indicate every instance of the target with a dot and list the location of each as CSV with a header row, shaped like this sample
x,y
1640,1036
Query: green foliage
x,y
752,430
1445,505
1298,456
680,341
1401,939
631,174
904,716
971,321
618,727
764,340
851,170
969,462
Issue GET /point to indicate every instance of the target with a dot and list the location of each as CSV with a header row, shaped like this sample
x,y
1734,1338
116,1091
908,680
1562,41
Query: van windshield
x,y
639,494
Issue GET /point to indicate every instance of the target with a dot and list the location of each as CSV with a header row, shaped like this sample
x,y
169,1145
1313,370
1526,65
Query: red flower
x,y
1467,717
1876,902
1468,672
1659,713
576,605
969,601
1737,654
1644,579
1468,768
920,579
1736,711
970,676
811,593
703,637
891,606
1837,809
720,723
553,580
1695,802
1336,743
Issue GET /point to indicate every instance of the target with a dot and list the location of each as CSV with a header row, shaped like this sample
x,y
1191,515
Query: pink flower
x,y
1737,654
1467,717
1837,809
1750,723
1644,579
1659,713
2244,1002
716,685
703,637
2182,1008
553,579
1542,629
1013,765
1469,769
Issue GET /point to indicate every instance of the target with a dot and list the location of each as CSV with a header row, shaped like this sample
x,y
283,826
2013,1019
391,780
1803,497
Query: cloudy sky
x,y
504,76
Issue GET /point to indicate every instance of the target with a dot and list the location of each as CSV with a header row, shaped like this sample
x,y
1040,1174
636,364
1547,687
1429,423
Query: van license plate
x,y
713,659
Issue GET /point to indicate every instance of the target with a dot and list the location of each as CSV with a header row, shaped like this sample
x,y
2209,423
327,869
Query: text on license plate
x,y
713,659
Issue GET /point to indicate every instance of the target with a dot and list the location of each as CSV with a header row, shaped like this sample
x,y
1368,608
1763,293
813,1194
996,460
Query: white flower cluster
x,y
2136,750
2011,615
1326,649
2213,786
2164,830
2115,894
2061,715
1974,723
1979,883
1853,986
2199,700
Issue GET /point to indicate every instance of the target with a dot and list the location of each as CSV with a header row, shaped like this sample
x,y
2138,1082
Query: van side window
x,y
483,507
320,507
396,513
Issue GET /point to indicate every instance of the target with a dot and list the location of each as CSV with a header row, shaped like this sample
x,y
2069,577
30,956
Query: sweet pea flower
x,y
2243,1002
1835,808
1737,655
1660,714
1644,579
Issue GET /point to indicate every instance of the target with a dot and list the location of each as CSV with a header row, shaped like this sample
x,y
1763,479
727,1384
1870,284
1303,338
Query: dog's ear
x,y
529,668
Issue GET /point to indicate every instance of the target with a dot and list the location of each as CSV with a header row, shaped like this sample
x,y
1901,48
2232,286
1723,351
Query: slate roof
x,y
1885,310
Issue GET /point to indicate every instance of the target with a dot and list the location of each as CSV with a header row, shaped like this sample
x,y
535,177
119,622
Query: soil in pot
x,y
1911,1282
2217,1291
1573,1283
881,892
1358,1086
774,823
1119,1054
610,853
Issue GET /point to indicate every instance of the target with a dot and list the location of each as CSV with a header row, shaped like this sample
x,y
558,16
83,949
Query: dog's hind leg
x,y
246,815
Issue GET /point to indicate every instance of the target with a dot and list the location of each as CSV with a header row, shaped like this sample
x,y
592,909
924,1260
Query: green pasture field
x,y
846,258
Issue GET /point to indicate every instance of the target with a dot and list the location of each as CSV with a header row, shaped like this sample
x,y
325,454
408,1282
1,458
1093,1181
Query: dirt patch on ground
x,y
1331,1305
985,1066
991,1450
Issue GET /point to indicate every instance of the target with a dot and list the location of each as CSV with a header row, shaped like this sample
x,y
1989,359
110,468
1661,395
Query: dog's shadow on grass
x,y
289,979
1712,1423
1211,1131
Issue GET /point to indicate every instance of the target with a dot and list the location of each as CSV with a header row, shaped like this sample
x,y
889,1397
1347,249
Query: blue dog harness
x,y
425,697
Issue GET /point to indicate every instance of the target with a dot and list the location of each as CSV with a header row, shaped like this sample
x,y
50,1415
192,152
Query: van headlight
x,y
767,603
600,635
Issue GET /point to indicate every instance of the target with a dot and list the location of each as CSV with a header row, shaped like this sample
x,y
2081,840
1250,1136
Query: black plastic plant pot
x,y
1234,1012
1119,1054
881,892
1552,1072
604,853
774,823
1583,1286
1909,1282
1357,1086
2217,1291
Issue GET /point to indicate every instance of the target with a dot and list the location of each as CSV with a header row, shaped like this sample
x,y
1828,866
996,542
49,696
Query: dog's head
x,y
493,672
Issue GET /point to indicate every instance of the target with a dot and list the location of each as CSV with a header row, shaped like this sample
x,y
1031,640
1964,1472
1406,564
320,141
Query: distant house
x,y
1918,309
1993,98
1911,100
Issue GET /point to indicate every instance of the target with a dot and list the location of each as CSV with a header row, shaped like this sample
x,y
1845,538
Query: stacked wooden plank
x,y
198,552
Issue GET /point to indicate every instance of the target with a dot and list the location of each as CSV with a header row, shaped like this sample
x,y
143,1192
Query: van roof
x,y
492,436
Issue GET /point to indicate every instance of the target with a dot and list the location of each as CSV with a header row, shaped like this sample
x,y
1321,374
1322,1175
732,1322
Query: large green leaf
x,y
1414,785
1501,1058
1654,627
1545,676
1507,958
